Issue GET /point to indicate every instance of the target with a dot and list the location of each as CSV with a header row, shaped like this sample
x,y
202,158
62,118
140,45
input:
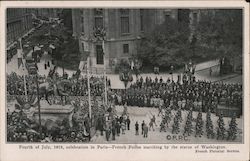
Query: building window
x,y
195,18
98,22
167,15
125,48
98,14
82,24
124,21
83,47
183,15
82,20
99,54
142,19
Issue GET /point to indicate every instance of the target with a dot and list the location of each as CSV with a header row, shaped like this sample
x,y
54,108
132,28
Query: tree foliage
x,y
221,31
217,34
209,126
232,131
167,44
188,129
66,17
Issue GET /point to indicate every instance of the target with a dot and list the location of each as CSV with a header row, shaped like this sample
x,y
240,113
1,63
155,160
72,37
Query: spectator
x,y
136,128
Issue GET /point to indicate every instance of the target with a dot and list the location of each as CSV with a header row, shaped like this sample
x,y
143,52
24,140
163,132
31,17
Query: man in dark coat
x,y
107,133
113,131
142,126
136,128
128,123
121,119
118,128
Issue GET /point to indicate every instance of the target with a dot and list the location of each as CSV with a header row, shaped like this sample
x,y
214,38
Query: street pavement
x,y
207,64
156,137
202,72
140,114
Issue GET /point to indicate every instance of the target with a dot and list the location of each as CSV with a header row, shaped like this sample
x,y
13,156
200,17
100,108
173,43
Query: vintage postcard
x,y
135,80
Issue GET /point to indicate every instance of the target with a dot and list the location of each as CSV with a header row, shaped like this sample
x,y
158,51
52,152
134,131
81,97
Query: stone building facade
x,y
19,22
124,29
47,12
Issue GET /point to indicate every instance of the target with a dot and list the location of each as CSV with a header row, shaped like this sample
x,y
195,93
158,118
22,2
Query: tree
x,y
125,73
199,125
179,115
66,17
166,45
176,125
220,31
221,128
188,127
209,126
168,115
232,131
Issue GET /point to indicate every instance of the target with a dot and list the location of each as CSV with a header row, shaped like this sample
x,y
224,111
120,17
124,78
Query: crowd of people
x,y
80,87
114,126
22,129
15,84
185,94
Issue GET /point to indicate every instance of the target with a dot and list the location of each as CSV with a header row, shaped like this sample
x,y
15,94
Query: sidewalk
x,y
208,64
157,137
202,73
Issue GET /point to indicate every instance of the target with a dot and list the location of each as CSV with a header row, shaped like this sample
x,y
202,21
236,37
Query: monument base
x,y
54,113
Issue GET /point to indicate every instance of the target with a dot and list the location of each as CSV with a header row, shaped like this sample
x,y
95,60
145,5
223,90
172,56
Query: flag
x,y
19,58
88,62
36,48
132,65
20,45
52,46
83,61
82,65
52,72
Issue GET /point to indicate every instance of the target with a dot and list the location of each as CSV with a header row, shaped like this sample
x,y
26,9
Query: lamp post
x,y
38,102
100,34
105,80
23,66
89,94
172,78
172,69
63,58
39,106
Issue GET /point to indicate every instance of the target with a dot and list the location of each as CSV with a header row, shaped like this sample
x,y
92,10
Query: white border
x,y
11,152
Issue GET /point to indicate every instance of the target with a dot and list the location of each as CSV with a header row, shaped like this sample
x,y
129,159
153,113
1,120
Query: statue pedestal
x,y
55,113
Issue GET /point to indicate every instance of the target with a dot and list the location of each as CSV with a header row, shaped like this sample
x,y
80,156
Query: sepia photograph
x,y
124,75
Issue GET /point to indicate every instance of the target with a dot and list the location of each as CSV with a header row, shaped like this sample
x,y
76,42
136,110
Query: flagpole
x,y
89,96
105,81
39,106
23,66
